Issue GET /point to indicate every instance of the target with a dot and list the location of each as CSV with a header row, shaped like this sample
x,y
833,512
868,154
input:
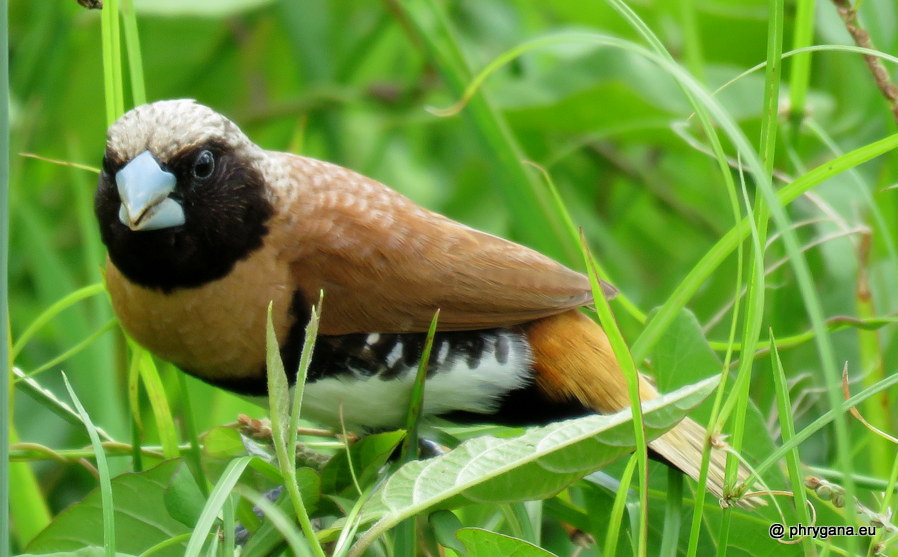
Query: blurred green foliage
x,y
351,82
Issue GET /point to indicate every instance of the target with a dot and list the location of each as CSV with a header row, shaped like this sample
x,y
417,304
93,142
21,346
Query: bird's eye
x,y
204,165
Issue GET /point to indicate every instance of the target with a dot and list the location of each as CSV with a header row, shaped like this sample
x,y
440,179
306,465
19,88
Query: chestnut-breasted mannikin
x,y
204,229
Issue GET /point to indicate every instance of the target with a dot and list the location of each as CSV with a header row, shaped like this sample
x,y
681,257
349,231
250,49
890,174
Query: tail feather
x,y
573,358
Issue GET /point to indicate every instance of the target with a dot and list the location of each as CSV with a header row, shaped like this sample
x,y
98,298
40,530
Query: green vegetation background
x,y
351,82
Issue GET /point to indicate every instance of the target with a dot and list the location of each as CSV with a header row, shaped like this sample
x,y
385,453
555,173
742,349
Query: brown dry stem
x,y
861,37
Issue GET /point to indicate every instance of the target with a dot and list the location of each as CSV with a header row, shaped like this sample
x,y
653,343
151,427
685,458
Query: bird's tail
x,y
683,445
573,358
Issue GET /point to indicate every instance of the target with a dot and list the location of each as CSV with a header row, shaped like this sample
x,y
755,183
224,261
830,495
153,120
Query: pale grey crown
x,y
166,127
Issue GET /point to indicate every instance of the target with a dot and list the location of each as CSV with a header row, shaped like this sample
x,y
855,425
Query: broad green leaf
x,y
368,455
183,498
483,543
309,487
535,465
141,517
749,534
445,525
683,356
223,442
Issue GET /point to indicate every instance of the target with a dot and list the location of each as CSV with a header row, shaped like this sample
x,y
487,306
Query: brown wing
x,y
386,265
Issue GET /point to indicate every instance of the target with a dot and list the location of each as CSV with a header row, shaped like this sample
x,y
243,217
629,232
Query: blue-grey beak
x,y
144,188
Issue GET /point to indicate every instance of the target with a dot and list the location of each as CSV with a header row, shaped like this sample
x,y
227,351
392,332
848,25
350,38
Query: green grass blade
x,y
702,109
416,402
707,107
353,523
821,422
716,255
75,349
406,532
673,513
171,542
50,401
628,366
769,121
112,61
787,427
754,304
193,455
692,47
48,314
228,524
5,359
617,510
165,425
799,77
109,82
135,60
279,401
137,446
134,407
102,469
889,488
885,233
825,349
278,388
752,322
281,522
305,360
214,504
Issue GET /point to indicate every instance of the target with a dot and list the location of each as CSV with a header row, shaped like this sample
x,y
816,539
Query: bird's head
x,y
181,196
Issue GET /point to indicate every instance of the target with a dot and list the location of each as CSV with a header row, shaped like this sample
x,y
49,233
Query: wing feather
x,y
386,265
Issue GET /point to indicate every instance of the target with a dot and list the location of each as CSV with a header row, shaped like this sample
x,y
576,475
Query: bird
x,y
204,229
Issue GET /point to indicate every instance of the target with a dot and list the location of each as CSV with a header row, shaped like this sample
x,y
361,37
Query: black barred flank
x,y
362,357
390,356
